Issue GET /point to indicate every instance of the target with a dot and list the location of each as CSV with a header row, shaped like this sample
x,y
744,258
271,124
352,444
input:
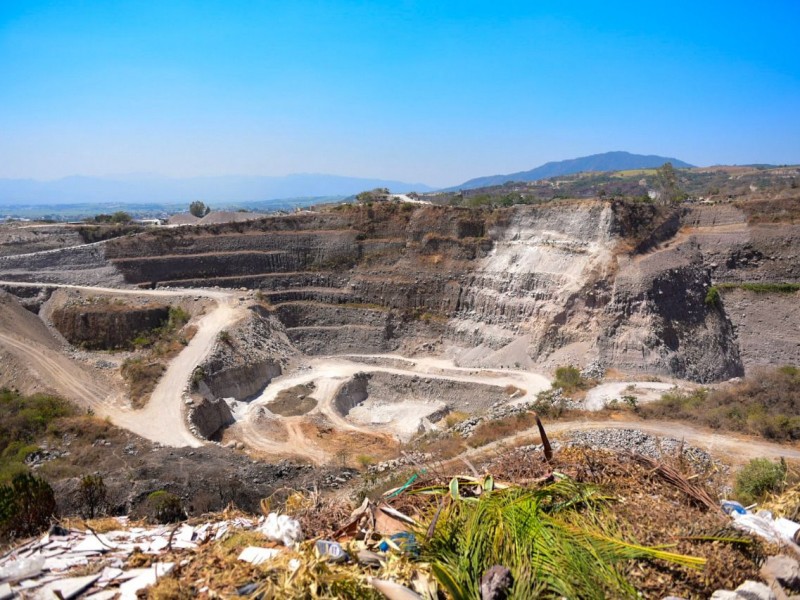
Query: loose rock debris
x,y
45,567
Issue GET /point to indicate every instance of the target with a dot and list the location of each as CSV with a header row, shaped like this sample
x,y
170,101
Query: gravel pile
x,y
594,370
633,440
467,427
408,458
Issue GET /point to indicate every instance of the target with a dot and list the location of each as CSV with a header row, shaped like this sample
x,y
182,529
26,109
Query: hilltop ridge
x,y
607,161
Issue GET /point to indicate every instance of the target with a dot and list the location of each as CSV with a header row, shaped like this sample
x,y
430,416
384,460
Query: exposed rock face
x,y
82,265
209,416
565,282
245,359
107,326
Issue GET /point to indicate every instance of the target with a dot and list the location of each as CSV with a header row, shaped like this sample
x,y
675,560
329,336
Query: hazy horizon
x,y
433,93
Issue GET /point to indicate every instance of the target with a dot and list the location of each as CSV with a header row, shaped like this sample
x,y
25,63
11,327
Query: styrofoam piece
x,y
127,591
94,544
23,568
102,595
185,534
256,555
66,589
5,591
282,528
109,574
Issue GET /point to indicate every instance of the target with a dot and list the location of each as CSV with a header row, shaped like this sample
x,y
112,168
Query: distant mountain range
x,y
222,190
608,161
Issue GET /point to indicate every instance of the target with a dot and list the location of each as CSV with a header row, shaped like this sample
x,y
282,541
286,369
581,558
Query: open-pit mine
x,y
357,327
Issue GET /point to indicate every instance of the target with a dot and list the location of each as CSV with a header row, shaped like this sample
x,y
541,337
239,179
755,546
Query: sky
x,y
420,91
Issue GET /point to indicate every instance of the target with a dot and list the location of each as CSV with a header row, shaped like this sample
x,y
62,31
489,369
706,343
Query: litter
x,y
394,591
22,569
42,567
333,551
256,555
5,591
65,589
404,542
282,528
129,589
731,506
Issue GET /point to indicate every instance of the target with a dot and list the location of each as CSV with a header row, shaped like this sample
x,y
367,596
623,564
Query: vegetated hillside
x,y
608,161
772,185
52,438
766,404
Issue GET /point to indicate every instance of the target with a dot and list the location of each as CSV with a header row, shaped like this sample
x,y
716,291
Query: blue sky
x,y
435,92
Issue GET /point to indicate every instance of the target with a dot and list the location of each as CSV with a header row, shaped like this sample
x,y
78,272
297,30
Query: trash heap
x,y
573,523
121,561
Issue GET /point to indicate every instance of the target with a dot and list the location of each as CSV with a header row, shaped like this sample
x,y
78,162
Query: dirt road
x,y
732,448
163,419
330,372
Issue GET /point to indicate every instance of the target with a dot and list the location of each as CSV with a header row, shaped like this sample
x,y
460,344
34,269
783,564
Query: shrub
x,y
365,460
22,420
712,296
549,403
178,317
165,507
569,379
92,493
26,506
766,404
758,478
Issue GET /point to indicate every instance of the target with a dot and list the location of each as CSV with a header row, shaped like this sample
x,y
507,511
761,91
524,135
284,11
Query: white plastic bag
x,y
282,528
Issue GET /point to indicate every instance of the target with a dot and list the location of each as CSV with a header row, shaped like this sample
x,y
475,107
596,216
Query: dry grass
x,y
491,431
766,404
143,373
511,390
441,446
784,210
455,417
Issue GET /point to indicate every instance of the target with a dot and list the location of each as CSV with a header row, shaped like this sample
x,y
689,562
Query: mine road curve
x,y
163,419
731,448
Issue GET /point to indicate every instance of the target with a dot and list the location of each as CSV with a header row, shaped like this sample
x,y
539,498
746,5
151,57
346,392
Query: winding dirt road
x,y
163,420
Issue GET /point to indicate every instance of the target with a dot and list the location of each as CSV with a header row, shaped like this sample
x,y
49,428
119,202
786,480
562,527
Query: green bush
x,y
758,478
26,506
178,317
569,379
22,420
712,296
165,507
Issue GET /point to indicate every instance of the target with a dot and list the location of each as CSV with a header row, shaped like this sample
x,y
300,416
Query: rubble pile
x,y
639,442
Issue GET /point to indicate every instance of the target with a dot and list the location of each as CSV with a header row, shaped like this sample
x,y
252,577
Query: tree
x,y
199,209
26,506
667,183
375,195
92,491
